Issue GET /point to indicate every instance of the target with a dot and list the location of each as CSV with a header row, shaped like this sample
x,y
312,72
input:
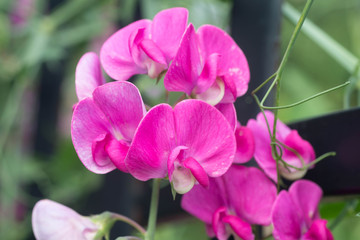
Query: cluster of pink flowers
x,y
198,144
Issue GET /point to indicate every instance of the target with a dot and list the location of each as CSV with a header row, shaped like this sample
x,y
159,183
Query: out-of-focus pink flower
x,y
295,214
208,65
145,46
241,197
245,143
103,125
22,11
188,143
88,75
54,221
285,135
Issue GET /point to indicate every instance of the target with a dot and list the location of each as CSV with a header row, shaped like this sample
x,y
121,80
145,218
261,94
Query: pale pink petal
x,y
262,153
233,65
156,62
167,29
241,228
115,54
175,154
252,194
54,221
286,218
318,231
88,75
184,70
214,94
154,139
306,195
182,180
229,112
202,203
207,134
122,105
117,150
245,143
88,123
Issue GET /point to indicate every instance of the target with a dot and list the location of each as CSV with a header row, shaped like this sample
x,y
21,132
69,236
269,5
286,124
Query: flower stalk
x,y
150,234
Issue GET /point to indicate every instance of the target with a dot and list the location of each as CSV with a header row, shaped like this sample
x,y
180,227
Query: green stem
x,y
129,221
153,210
349,208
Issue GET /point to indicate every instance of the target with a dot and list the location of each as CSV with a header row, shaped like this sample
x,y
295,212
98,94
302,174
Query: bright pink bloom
x,y
209,65
187,143
241,197
88,75
103,126
144,46
286,136
54,221
295,214
245,143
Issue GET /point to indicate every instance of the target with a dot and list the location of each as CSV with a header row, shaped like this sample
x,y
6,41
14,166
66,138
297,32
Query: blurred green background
x,y
40,44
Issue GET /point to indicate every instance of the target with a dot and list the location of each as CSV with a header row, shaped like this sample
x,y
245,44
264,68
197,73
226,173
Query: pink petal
x,y
306,195
88,75
214,94
281,129
318,231
303,147
197,171
117,151
154,139
88,123
207,134
218,225
245,145
122,105
157,60
229,112
115,53
167,29
100,156
240,227
251,194
233,66
54,221
184,70
286,219
202,203
208,73
262,153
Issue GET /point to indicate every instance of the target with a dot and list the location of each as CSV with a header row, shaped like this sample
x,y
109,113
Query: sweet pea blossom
x,y
54,221
144,46
209,66
189,144
295,214
103,126
286,136
239,198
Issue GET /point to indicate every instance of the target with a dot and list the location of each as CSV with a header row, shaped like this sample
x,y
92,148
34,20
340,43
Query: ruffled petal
x,y
251,194
167,29
88,123
122,105
153,141
115,54
88,75
184,70
207,134
117,151
233,65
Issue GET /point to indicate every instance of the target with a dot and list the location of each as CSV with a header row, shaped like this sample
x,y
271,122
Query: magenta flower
x,y
208,65
295,214
54,221
241,197
103,126
188,143
144,46
245,143
88,75
286,136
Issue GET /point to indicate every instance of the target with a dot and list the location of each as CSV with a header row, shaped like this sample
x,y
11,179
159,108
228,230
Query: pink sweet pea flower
x,y
245,143
188,143
54,221
144,46
241,197
103,126
88,75
208,65
285,135
295,214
